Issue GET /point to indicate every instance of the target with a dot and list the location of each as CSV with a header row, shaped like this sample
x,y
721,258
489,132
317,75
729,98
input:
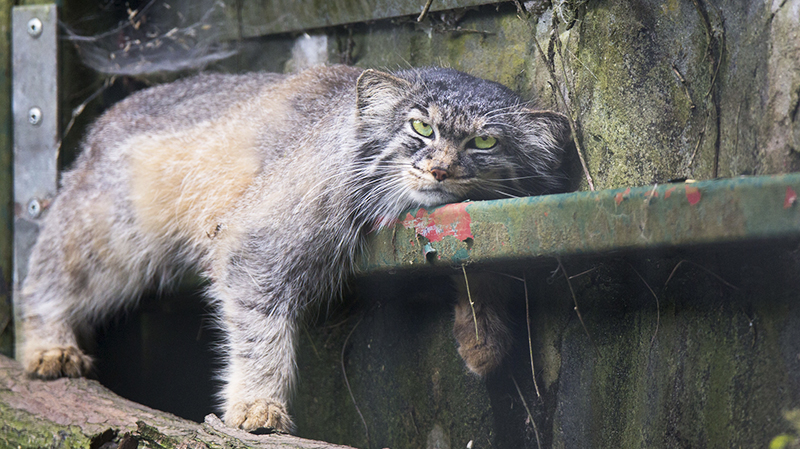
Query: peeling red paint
x,y
621,196
451,219
669,191
692,194
652,194
791,197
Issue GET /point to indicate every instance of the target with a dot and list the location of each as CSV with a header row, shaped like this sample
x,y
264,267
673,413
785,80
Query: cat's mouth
x,y
427,192
432,197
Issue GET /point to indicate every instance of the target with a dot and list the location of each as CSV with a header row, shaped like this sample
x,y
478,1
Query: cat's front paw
x,y
259,413
51,363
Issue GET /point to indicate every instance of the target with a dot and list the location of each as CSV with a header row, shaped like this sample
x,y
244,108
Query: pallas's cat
x,y
268,184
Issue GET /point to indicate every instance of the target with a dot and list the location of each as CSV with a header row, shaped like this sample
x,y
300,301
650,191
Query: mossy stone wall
x,y
708,358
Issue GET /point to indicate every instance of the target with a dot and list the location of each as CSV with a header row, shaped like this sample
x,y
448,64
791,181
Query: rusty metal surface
x,y
730,210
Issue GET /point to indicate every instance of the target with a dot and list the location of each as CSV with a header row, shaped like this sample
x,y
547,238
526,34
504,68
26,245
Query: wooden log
x,y
81,413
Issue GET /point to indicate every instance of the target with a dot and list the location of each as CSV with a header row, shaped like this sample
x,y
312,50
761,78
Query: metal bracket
x,y
34,31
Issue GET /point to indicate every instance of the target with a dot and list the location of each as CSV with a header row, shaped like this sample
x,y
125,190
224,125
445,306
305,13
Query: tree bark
x,y
81,413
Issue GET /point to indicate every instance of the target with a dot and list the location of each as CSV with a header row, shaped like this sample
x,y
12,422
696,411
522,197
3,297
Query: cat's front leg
x,y
260,369
481,320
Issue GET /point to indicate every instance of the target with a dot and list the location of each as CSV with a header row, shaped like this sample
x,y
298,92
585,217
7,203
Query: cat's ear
x,y
545,138
377,93
547,131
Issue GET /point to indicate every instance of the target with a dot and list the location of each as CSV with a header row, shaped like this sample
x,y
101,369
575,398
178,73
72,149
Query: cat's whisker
x,y
491,185
506,125
502,193
518,178
422,82
500,112
516,108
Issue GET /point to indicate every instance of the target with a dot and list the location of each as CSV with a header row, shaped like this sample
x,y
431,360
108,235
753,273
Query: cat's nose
x,y
439,174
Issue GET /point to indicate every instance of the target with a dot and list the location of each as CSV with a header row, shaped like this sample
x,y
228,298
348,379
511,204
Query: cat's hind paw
x,y
260,413
63,361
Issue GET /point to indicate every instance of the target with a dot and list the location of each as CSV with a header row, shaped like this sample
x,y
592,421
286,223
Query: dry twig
x,y
524,281
530,342
530,416
575,301
554,84
658,305
471,304
347,382
424,11
702,268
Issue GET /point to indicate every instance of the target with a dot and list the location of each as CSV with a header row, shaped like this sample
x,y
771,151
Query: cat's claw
x,y
260,413
52,363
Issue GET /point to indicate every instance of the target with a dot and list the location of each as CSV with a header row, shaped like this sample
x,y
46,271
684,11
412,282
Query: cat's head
x,y
432,136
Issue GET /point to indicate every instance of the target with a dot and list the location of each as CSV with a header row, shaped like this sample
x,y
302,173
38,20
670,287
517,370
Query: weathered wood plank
x,y
260,17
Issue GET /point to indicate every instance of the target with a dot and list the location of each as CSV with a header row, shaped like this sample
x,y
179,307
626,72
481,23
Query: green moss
x,y
22,430
705,374
635,112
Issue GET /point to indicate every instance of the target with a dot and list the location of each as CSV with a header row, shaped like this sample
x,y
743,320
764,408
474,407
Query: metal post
x,y
36,138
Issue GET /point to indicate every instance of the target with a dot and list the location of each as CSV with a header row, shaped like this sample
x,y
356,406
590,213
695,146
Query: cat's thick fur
x,y
268,183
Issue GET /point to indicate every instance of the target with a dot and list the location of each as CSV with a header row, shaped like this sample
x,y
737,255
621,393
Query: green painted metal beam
x,y
582,223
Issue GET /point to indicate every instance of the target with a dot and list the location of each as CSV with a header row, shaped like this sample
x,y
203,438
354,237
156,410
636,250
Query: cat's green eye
x,y
484,142
422,128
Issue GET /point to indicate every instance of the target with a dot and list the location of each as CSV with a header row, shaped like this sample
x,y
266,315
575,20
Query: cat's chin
x,y
430,198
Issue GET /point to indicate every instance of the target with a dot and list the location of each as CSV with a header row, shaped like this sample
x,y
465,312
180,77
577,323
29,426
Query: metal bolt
x,y
35,27
34,208
34,116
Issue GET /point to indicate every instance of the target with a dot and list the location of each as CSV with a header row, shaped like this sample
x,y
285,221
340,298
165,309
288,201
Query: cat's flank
x,y
268,184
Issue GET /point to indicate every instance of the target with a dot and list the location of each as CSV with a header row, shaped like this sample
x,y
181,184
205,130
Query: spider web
x,y
160,36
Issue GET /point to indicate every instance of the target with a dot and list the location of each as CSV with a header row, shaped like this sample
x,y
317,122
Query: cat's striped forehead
x,y
452,121
459,103
455,88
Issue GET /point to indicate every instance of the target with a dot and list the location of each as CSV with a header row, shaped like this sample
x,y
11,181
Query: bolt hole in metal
x,y
34,116
469,241
35,27
34,208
